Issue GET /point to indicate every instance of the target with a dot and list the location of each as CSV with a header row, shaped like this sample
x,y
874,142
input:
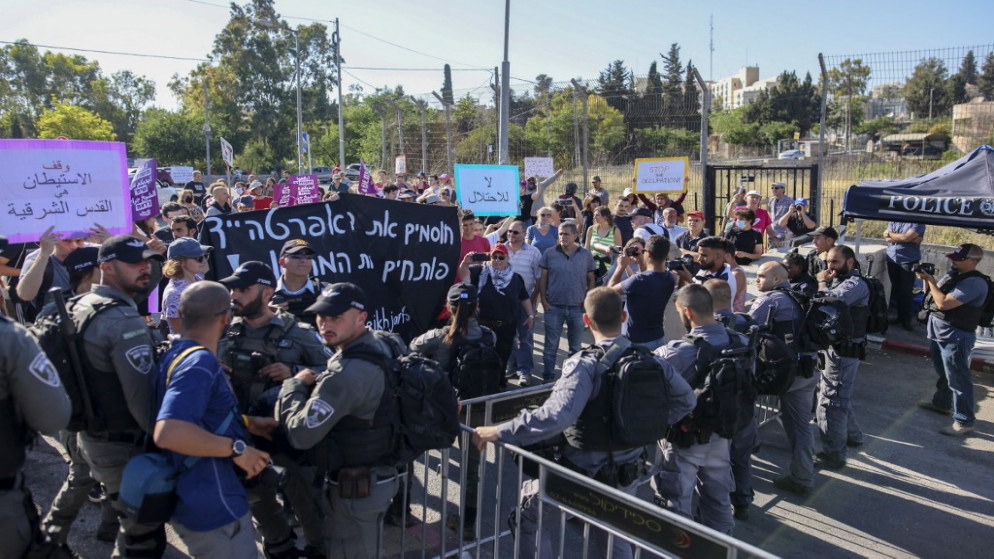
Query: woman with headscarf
x,y
186,263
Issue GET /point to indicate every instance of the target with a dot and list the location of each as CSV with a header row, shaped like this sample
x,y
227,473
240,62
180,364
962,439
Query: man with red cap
x,y
687,241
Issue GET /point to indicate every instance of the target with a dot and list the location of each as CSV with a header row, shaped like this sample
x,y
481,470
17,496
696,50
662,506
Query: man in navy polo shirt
x,y
904,250
198,418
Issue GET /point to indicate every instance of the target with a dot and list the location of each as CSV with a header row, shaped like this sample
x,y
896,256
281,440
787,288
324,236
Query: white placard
x,y
227,153
539,167
400,165
181,175
70,184
488,189
662,174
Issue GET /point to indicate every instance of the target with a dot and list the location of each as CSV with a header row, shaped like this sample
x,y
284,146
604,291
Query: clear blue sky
x,y
561,38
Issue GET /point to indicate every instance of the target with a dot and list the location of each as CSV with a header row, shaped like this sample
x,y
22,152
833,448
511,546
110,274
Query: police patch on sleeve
x,y
570,364
140,358
318,413
43,370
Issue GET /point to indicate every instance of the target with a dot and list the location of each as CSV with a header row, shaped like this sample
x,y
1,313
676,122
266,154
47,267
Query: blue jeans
x,y
521,361
954,390
555,315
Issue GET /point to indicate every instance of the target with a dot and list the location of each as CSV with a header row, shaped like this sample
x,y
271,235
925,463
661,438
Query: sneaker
x,y
928,405
107,531
825,461
787,483
741,512
956,430
854,443
524,379
95,495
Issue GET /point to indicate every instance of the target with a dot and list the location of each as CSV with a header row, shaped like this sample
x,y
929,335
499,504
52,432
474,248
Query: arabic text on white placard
x,y
663,174
400,165
488,189
539,167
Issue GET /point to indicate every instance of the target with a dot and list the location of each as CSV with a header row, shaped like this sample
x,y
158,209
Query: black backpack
x,y
640,394
827,322
477,369
429,411
61,338
876,322
776,361
723,385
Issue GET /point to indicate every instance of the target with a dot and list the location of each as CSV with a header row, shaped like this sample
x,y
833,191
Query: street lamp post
x,y
337,42
300,125
505,90
930,92
207,128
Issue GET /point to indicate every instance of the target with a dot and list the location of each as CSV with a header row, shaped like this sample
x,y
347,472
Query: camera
x,y
799,208
925,268
685,262
632,251
616,249
481,257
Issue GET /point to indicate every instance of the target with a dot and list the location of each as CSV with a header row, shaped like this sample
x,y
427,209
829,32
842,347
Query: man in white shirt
x,y
524,260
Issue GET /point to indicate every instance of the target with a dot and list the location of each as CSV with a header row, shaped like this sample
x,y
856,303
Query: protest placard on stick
x,y
488,189
661,174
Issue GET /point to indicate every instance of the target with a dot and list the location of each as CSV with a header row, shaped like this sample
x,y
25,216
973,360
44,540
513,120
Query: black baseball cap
x,y
126,248
644,212
966,251
294,246
81,259
595,179
249,274
462,292
338,298
827,231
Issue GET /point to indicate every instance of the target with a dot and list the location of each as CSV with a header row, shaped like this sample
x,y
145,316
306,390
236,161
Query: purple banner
x,y
365,179
144,197
300,189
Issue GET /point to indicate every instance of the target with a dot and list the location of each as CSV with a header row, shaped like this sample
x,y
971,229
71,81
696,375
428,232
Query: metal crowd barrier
x,y
584,505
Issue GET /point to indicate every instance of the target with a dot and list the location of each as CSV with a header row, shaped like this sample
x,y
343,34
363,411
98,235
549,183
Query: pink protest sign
x,y
299,189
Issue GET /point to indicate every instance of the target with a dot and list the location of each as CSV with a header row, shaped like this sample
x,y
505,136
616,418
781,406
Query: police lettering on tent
x,y
43,370
319,412
140,357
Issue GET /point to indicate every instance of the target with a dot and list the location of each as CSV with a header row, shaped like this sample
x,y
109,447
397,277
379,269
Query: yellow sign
x,y
662,174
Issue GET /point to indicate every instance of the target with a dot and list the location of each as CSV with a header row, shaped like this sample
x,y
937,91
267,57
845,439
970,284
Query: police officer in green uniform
x,y
262,349
118,357
31,400
296,289
346,412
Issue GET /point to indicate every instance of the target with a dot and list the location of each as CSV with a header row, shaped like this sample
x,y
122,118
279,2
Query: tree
x,y
447,86
735,128
790,100
956,89
925,90
172,137
122,99
614,85
968,68
985,81
673,86
691,100
75,122
848,80
543,86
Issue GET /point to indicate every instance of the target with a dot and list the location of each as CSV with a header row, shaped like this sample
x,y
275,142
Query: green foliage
x,y
670,141
950,155
734,127
847,82
770,132
790,100
926,88
985,81
172,137
942,130
447,86
968,68
882,125
615,85
73,122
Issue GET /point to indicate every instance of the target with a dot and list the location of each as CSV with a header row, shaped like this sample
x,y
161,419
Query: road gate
x,y
721,181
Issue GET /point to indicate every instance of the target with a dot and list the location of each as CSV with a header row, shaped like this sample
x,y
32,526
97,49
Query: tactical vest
x,y
13,439
110,405
860,313
245,379
964,317
592,430
297,304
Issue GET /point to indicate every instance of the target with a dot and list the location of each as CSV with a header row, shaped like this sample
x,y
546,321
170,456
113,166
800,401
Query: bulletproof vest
x,y
360,442
110,406
784,328
13,439
860,313
964,317
247,355
297,304
592,430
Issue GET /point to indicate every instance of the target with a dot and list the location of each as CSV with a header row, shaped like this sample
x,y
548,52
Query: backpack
x,y
723,385
429,411
876,322
639,395
776,361
477,368
827,322
61,338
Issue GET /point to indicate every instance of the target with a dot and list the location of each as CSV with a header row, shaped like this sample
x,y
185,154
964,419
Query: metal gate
x,y
721,181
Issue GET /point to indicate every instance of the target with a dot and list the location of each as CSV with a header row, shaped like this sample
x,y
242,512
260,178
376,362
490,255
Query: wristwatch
x,y
238,447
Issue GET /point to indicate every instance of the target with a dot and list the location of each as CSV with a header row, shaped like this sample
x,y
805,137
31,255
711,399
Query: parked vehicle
x,y
323,173
791,154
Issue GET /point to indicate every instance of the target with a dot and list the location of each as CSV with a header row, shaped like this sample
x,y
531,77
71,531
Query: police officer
x,y
31,400
348,415
698,459
263,348
296,289
118,356
574,407
795,405
835,416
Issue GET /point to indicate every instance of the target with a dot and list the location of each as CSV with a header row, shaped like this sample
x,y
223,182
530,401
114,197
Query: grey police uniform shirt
x,y
569,396
971,291
432,344
30,379
347,387
682,354
301,348
852,290
778,303
119,340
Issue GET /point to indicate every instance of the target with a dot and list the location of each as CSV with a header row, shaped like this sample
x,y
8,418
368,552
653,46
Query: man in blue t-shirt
x,y
648,292
198,424
904,250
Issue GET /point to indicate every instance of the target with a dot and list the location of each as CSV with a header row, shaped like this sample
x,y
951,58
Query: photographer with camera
x,y
569,203
648,292
261,349
797,221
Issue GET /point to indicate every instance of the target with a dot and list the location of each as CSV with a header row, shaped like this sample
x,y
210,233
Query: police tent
x,y
961,194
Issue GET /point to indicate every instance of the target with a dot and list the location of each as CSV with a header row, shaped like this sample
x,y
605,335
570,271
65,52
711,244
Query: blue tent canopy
x,y
960,194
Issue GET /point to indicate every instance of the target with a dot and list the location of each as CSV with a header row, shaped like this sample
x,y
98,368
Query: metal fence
x,y
579,505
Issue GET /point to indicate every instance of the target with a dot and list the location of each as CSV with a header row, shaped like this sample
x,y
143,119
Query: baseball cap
x,y
754,193
801,201
627,192
965,251
827,231
696,214
595,179
78,260
248,274
644,212
461,292
421,174
779,184
338,298
407,194
254,185
294,246
187,248
432,199
444,177
126,248
499,247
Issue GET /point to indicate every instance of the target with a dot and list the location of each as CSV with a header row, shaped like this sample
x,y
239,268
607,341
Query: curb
x,y
978,364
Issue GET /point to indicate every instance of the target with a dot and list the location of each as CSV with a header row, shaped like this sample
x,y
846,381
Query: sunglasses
x,y
544,215
779,187
200,258
512,232
498,257
300,256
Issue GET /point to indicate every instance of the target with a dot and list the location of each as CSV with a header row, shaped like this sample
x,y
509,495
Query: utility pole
x,y
300,125
505,90
207,127
400,124
931,90
496,89
586,129
576,133
448,130
705,111
423,105
336,40
815,202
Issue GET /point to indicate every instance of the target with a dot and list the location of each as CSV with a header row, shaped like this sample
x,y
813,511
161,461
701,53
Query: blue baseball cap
x,y
187,247
801,201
